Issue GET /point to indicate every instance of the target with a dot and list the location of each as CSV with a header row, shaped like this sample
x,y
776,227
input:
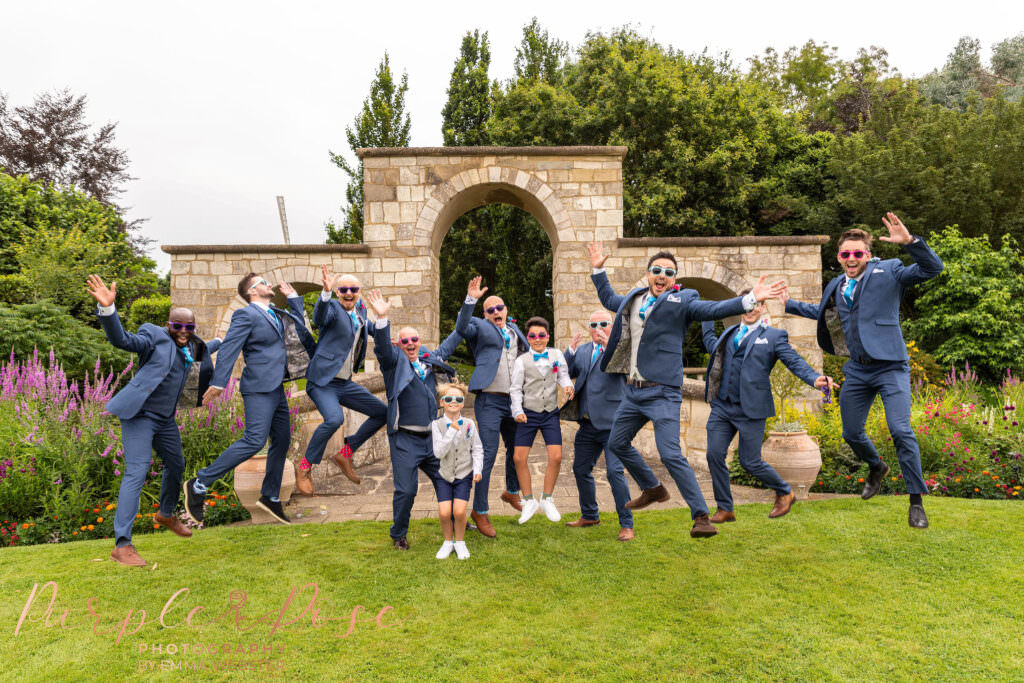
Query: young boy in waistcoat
x,y
534,397
458,447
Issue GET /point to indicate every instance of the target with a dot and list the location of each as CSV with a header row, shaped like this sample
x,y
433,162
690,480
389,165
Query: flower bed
x,y
61,468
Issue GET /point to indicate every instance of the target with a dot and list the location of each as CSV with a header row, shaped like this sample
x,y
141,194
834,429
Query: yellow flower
x,y
111,506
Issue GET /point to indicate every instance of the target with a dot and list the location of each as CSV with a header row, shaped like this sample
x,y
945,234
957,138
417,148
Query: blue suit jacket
x,y
337,337
660,357
156,350
878,304
605,389
486,343
763,346
397,368
255,336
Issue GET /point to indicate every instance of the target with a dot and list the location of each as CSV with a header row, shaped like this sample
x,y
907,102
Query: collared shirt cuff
x,y
297,296
106,310
749,302
598,271
470,300
213,387
381,323
325,296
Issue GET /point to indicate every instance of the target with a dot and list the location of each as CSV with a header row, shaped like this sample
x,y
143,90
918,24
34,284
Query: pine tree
x,y
382,122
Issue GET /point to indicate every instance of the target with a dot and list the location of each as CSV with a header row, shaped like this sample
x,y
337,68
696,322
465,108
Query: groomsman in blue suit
x,y
738,387
596,398
340,351
168,357
276,347
859,317
410,379
496,343
646,345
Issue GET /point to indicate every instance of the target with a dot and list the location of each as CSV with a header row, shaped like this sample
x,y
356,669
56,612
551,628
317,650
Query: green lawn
x,y
837,590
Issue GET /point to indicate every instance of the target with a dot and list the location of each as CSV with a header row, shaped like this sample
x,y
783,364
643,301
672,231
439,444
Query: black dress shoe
x,y
195,503
401,544
275,509
917,518
874,482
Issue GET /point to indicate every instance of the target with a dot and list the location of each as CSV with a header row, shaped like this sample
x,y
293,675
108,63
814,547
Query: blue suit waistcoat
x,y
337,337
603,390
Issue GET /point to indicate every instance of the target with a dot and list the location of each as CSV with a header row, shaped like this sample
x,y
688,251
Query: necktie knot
x,y
648,301
538,356
740,334
420,369
505,336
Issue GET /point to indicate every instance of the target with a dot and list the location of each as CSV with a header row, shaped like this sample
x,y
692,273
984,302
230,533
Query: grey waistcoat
x,y
540,390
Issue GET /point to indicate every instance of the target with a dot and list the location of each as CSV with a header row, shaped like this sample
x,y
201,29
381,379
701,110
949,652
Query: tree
x,y
972,312
539,58
382,122
50,141
468,109
963,79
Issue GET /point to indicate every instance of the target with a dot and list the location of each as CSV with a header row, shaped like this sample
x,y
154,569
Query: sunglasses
x,y
855,254
261,281
453,399
178,327
658,270
492,309
346,290
537,335
600,323
406,340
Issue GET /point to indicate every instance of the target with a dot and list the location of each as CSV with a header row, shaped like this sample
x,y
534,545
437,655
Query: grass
x,y
837,590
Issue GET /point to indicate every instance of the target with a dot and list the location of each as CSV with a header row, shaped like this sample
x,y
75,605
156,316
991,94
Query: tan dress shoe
x,y
513,500
783,501
304,481
723,516
483,524
346,467
174,524
658,494
582,521
128,556
702,528
626,534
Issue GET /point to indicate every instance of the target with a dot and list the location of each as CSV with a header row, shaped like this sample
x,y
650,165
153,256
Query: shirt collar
x,y
265,307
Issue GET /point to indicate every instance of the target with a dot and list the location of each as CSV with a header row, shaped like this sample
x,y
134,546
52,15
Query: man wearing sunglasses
x,y
276,347
597,396
646,345
168,356
340,352
495,343
858,317
410,379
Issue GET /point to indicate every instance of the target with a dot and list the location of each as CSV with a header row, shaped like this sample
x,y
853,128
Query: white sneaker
x,y
461,551
446,550
548,505
529,507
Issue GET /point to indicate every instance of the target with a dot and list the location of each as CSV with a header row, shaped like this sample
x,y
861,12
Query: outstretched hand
x,y
898,233
211,393
595,251
287,289
327,278
576,340
100,292
378,303
825,381
784,296
763,291
475,290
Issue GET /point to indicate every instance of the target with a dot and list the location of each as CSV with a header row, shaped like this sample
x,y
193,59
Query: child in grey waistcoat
x,y
457,445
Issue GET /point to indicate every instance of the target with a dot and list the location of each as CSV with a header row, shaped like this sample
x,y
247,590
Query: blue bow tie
x,y
538,356
460,422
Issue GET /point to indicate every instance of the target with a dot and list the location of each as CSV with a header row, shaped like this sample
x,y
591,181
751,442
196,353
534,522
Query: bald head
x,y
409,342
600,326
346,296
491,312
179,317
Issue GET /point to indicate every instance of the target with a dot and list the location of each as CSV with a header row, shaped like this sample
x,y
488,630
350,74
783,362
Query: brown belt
x,y
642,384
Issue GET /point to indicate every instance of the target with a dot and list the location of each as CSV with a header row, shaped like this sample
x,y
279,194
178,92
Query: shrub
x,y
14,289
150,309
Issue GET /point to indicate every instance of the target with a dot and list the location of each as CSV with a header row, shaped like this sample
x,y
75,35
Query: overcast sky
x,y
224,105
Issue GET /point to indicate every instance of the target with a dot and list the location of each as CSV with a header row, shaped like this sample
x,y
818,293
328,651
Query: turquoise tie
x,y
595,354
848,292
273,316
643,309
420,370
355,320
505,336
188,356
739,336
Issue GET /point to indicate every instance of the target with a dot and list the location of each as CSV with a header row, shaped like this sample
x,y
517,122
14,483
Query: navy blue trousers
x,y
329,401
588,445
409,452
494,419
140,436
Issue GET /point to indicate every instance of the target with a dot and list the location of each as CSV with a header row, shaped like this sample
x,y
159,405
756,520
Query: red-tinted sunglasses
x,y
856,254
406,340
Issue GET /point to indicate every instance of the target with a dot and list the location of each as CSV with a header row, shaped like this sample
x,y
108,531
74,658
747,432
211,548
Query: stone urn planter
x,y
796,457
249,480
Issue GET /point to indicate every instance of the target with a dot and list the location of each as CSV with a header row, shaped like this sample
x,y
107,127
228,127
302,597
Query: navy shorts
x,y
457,489
546,423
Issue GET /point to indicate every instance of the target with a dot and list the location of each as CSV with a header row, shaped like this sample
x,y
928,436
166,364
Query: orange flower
x,y
91,527
156,526
211,503
82,528
99,520
111,506
976,490
994,478
861,480
24,526
74,533
95,509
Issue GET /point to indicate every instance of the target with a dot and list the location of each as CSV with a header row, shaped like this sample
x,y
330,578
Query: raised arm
x,y
110,321
323,313
387,353
465,325
448,346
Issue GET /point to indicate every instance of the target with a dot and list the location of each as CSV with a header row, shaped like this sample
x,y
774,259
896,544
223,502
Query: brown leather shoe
x,y
723,516
658,494
128,556
783,501
304,481
582,521
513,500
625,534
346,464
400,543
702,528
483,524
174,524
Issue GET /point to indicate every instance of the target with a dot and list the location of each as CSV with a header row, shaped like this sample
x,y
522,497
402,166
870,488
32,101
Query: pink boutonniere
x,y
676,288
554,367
424,354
